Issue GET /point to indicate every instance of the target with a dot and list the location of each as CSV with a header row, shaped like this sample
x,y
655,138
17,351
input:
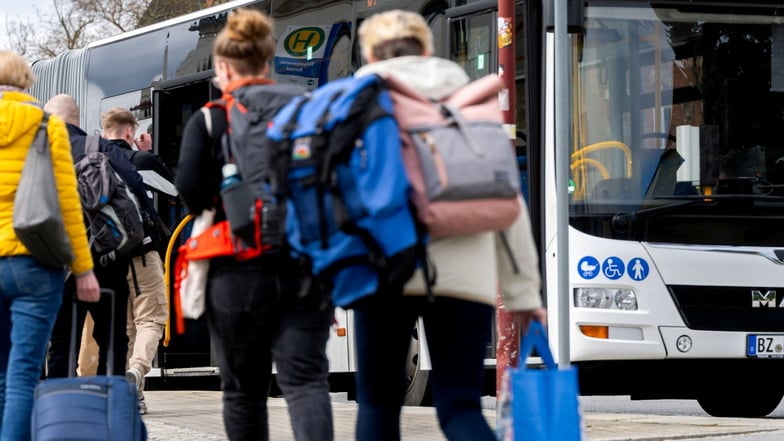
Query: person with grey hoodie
x,y
470,269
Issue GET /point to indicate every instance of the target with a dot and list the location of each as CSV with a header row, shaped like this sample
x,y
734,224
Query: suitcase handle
x,y
72,345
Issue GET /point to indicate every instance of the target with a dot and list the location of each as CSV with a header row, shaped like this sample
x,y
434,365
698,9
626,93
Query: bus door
x,y
174,103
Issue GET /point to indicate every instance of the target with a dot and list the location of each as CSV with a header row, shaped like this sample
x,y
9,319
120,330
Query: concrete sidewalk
x,y
196,415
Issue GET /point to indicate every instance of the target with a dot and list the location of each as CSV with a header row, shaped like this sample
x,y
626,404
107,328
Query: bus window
x,y
472,43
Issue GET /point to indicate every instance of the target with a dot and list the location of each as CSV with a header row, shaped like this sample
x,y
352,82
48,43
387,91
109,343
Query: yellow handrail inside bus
x,y
604,145
579,159
167,275
579,173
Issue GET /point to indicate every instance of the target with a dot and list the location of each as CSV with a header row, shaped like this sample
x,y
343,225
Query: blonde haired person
x,y
470,269
253,309
30,294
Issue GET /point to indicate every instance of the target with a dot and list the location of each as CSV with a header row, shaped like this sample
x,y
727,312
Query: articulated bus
x,y
676,171
162,73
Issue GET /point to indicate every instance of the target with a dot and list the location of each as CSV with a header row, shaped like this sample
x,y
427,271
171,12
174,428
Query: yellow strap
x,y
167,275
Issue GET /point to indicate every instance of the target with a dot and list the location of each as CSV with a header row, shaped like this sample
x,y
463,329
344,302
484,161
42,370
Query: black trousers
x,y
112,276
256,316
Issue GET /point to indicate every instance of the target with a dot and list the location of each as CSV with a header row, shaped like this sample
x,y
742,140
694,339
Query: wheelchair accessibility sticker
x,y
613,268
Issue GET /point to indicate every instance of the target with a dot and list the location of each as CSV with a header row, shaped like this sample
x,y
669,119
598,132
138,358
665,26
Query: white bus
x,y
162,72
676,183
676,199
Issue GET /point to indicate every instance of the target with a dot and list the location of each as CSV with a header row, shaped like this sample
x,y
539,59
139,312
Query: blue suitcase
x,y
87,408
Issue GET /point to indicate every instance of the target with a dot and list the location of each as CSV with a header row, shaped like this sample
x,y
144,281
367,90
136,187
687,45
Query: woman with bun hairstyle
x,y
257,310
470,269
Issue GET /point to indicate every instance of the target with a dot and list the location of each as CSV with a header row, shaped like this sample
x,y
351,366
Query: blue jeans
x,y
29,299
256,316
457,332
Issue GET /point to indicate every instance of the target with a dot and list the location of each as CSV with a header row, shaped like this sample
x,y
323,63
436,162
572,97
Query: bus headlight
x,y
625,299
605,298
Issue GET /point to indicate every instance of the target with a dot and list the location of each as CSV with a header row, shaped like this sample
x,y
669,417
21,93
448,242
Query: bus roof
x,y
173,21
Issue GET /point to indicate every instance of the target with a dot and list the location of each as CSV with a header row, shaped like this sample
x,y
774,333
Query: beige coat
x,y
470,267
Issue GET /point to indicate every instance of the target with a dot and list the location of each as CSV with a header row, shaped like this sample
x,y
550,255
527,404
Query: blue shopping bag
x,y
544,401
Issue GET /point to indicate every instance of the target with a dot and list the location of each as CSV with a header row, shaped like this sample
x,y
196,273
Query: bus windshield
x,y
673,104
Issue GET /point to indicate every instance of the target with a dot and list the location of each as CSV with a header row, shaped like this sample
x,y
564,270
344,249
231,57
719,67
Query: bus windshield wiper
x,y
621,221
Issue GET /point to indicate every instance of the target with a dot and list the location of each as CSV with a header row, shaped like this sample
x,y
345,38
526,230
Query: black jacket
x,y
117,158
144,160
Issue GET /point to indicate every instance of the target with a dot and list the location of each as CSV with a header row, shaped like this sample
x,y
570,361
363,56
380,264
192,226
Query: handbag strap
x,y
41,141
536,337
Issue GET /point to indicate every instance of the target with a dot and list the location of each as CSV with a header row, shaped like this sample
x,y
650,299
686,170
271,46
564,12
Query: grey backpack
x,y
459,159
114,220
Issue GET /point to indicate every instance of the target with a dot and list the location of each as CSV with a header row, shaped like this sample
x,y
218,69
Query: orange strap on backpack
x,y
216,241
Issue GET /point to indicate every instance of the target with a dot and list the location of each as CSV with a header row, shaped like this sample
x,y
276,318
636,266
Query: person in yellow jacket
x,y
30,293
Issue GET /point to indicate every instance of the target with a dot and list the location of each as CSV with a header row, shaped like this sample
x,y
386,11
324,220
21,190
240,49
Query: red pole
x,y
508,331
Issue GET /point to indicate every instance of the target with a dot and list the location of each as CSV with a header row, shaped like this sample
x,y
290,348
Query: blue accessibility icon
x,y
638,268
588,267
613,268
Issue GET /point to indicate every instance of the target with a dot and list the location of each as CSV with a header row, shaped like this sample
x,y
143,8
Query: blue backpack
x,y
336,159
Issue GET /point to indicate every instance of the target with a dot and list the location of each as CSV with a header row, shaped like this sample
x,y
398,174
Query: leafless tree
x,y
72,24
19,35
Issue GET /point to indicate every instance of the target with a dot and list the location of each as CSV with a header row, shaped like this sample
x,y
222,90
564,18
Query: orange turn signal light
x,y
595,331
341,332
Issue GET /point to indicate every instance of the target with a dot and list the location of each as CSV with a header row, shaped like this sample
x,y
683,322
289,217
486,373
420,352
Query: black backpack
x,y
111,211
249,109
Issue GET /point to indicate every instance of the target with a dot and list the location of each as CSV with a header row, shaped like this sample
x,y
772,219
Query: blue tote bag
x,y
544,401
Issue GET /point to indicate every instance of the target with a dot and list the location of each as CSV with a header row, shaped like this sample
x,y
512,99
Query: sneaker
x,y
134,376
142,406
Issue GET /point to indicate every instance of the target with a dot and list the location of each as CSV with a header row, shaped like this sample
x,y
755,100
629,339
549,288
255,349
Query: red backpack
x,y
459,159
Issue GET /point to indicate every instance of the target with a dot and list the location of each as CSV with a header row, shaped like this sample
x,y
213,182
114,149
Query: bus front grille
x,y
730,308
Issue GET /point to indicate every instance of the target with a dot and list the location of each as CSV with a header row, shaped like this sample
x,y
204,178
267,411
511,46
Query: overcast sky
x,y
11,9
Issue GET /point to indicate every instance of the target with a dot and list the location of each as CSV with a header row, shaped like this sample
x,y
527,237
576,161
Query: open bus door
x,y
175,101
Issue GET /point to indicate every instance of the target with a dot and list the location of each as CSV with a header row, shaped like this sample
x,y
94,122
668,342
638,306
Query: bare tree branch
x,y
19,35
72,24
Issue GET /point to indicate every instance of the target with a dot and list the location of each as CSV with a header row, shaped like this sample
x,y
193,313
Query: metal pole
x,y
562,157
508,330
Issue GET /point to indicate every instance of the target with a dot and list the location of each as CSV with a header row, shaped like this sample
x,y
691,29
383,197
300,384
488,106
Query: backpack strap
x,y
429,270
282,153
453,113
207,119
91,144
136,290
505,243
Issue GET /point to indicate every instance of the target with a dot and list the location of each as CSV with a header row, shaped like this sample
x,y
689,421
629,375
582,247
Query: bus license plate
x,y
765,346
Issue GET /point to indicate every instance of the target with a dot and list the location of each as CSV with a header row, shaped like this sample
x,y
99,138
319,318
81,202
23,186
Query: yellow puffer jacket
x,y
18,124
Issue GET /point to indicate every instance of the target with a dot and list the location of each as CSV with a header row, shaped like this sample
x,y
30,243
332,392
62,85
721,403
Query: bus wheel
x,y
749,403
416,378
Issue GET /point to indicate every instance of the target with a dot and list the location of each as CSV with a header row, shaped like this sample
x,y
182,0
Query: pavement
x,y
177,415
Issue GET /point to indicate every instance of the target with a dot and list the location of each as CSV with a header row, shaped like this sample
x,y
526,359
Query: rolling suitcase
x,y
87,408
